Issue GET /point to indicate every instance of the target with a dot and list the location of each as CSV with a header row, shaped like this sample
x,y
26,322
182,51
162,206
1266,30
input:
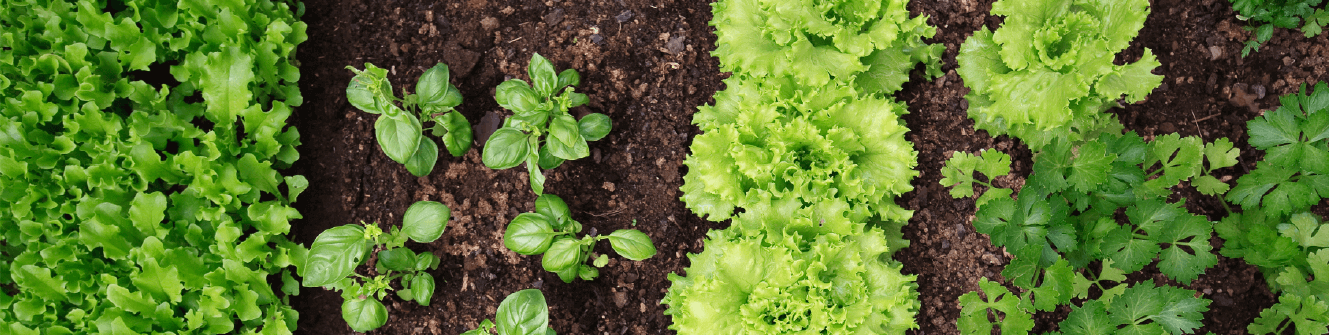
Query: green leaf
x,y
1090,167
368,89
458,137
1011,318
563,254
334,255
1089,319
426,261
399,136
547,160
1056,288
1309,314
542,75
632,244
147,211
537,178
523,313
601,261
364,314
516,96
506,148
422,288
40,282
1208,185
528,234
397,259
553,208
226,80
565,140
594,126
569,77
422,162
425,221
433,88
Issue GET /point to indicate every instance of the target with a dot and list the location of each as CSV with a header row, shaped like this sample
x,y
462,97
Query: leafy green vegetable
x,y
773,139
1005,305
1294,173
336,253
1048,71
551,231
754,279
398,131
959,174
135,207
541,132
870,43
1282,14
521,313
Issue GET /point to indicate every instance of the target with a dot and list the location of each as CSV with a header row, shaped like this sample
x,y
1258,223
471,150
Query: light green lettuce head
x,y
748,282
1048,70
772,139
873,43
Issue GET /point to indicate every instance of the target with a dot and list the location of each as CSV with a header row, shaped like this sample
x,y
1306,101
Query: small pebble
x,y
624,16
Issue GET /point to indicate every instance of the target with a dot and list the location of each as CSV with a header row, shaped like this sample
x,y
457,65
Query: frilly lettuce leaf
x,y
787,283
872,42
775,140
1049,69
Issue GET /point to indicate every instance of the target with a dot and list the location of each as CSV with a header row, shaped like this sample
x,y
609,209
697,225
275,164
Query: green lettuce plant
x,y
399,131
148,208
338,251
1048,71
521,313
772,273
541,132
772,139
870,43
551,231
1287,14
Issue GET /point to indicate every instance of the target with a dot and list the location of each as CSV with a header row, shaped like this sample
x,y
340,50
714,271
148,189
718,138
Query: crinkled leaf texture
x,y
871,42
809,280
773,139
1048,70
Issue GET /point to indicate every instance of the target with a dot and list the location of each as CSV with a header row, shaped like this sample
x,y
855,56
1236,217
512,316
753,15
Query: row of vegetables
x,y
154,205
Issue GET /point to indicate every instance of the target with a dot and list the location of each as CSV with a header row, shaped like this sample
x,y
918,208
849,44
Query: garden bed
x,y
646,64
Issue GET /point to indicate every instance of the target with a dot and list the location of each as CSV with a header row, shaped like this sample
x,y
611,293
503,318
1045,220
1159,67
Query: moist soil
x,y
647,65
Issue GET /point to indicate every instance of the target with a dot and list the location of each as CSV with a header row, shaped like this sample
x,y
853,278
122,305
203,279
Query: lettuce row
x,y
1048,71
792,275
133,208
775,139
871,43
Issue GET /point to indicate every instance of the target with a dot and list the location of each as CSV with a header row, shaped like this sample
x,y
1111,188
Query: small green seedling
x,y
551,231
522,313
398,131
538,112
338,251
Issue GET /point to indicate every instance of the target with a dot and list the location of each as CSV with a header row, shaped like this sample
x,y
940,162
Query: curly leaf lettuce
x,y
872,43
774,140
1049,69
787,284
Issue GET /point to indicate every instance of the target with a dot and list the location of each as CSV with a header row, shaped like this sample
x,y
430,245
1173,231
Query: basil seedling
x,y
338,251
541,132
398,131
521,313
551,231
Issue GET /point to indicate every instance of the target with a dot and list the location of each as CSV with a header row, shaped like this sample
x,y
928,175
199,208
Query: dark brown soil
x,y
646,64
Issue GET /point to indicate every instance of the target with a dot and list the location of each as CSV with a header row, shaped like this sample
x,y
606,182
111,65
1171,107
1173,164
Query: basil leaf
x,y
562,254
398,136
537,177
542,75
360,92
523,313
553,207
433,85
422,288
334,255
587,273
426,261
594,126
397,259
547,160
364,314
577,99
422,162
569,77
359,95
632,244
506,148
425,221
458,137
528,234
565,140
516,96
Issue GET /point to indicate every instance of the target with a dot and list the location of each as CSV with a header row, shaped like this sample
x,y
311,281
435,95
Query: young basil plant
x,y
399,131
521,313
338,251
551,231
541,132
